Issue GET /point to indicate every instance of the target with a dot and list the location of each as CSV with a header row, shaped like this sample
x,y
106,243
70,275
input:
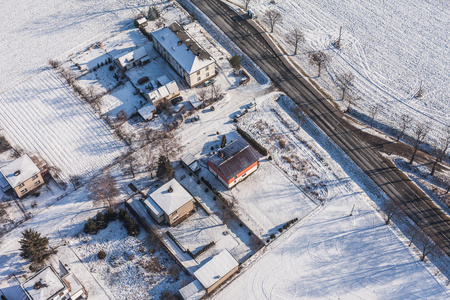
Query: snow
x,y
147,111
39,114
193,291
389,46
51,284
154,208
24,165
171,196
218,267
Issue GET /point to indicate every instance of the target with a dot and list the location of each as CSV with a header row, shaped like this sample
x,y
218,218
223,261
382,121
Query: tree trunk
x,y
295,50
319,65
434,167
413,156
343,93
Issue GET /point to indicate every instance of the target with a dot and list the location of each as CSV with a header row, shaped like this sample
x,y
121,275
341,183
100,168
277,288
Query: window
x,y
20,185
174,212
198,72
34,177
23,191
207,74
198,78
176,217
37,182
207,68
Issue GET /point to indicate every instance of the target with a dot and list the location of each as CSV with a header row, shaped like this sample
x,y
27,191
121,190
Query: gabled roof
x,y
50,284
183,48
171,196
137,54
195,102
146,111
193,291
154,208
219,266
234,158
19,170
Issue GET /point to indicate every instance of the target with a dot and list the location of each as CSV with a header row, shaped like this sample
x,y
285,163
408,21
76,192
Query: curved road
x,y
260,49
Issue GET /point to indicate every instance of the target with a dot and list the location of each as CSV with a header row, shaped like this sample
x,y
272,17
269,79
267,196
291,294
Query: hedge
x,y
252,141
204,249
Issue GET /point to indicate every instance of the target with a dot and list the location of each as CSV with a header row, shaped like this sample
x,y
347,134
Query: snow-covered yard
x,y
43,114
335,255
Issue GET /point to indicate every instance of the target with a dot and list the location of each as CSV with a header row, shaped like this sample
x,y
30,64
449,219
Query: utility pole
x,y
337,43
351,213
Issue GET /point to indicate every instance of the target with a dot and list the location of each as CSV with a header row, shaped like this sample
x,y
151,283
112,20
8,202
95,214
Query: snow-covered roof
x,y
219,266
163,80
19,170
141,21
49,282
172,87
171,196
193,99
125,59
3,183
188,159
193,291
163,92
146,111
154,208
74,284
183,48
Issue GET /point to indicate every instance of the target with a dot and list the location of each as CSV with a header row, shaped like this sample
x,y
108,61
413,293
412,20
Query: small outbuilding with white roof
x,y
217,270
147,111
138,57
173,200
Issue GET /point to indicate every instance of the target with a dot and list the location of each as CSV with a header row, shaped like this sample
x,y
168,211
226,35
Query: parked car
x,y
244,81
209,82
176,100
143,80
212,108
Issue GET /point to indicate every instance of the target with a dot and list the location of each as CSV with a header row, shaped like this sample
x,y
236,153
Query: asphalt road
x,y
260,49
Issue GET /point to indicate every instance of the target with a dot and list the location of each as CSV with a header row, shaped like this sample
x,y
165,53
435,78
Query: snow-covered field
x,y
43,114
389,46
337,256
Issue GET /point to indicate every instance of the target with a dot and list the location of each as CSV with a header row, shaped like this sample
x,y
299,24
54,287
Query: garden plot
x,y
337,256
267,199
121,98
63,129
128,259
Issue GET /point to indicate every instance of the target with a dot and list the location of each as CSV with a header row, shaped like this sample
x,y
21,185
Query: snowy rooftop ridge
x,y
137,54
219,266
171,196
183,48
50,284
19,170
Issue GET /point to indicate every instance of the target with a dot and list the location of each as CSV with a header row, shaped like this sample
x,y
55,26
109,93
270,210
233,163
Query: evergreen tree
x,y
100,220
90,227
33,246
224,141
110,215
165,168
235,62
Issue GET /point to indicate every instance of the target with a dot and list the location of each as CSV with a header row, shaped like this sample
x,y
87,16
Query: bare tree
x,y
345,80
273,17
420,132
373,111
419,92
202,94
123,134
319,59
54,63
296,36
351,100
441,150
425,244
68,75
168,144
104,188
405,121
390,209
129,162
216,90
299,115
246,3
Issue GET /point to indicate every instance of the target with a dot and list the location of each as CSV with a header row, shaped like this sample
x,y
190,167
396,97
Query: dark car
x,y
176,100
143,80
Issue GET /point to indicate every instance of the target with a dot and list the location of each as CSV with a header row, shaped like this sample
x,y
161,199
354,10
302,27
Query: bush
x,y
101,254
121,214
272,236
153,13
100,220
280,230
270,157
129,224
110,215
202,250
4,145
90,227
282,144
111,67
252,142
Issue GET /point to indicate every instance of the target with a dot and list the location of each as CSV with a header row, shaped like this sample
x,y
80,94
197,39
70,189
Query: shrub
x,y
4,145
270,157
268,240
202,250
110,215
53,63
252,142
153,13
100,220
280,230
272,236
282,144
285,226
90,227
101,254
111,67
121,214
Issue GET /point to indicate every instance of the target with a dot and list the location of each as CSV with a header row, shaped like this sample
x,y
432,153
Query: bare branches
x,y
351,100
216,90
425,244
202,94
273,17
420,132
441,150
405,121
104,188
168,144
345,80
390,209
373,111
319,59
296,36
54,63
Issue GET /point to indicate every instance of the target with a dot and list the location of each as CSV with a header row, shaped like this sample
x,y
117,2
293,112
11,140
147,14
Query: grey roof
x,y
171,196
51,284
234,158
19,170
218,267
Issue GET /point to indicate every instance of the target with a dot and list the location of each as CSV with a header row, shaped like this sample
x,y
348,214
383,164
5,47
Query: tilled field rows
x,y
43,114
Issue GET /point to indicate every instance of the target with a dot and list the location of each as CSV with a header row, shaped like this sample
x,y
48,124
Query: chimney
x,y
17,173
170,190
37,285
179,43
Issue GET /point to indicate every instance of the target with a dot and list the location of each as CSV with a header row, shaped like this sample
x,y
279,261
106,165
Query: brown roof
x,y
234,158
189,41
